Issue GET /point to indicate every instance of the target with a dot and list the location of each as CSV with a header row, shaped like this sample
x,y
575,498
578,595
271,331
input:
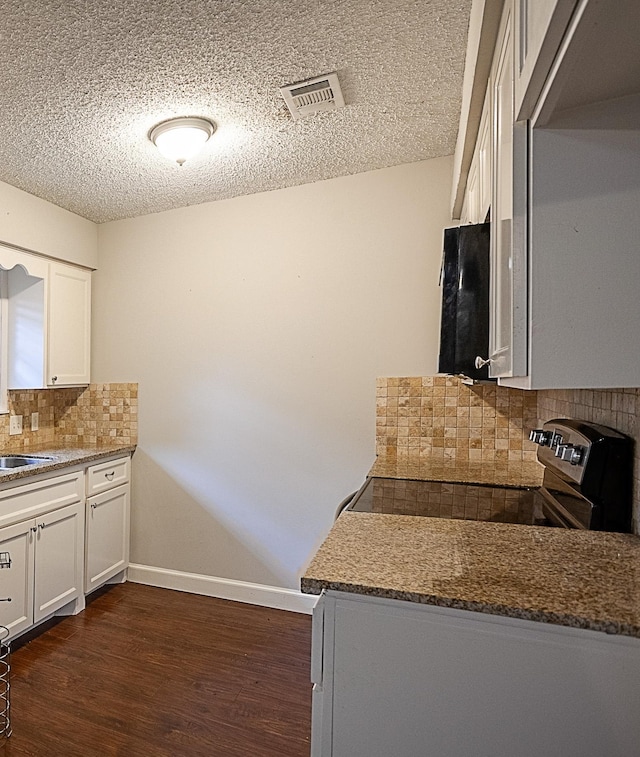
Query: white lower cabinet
x,y
16,580
107,522
62,536
409,680
58,560
45,570
107,546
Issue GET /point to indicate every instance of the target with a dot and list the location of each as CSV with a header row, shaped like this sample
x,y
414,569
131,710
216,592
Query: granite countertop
x,y
62,458
582,579
499,473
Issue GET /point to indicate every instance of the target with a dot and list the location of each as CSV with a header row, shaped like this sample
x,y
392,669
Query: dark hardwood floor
x,y
148,672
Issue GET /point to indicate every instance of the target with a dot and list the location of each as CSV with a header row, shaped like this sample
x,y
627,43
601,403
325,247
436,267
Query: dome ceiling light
x,y
181,138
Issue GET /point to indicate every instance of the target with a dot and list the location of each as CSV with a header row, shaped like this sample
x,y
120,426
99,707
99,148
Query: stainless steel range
x,y
587,484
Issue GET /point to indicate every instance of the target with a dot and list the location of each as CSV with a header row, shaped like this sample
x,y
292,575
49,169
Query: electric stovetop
x,y
392,496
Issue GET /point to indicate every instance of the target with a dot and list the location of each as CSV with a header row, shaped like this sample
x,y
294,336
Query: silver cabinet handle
x,y
41,525
93,505
481,362
34,529
54,379
110,476
6,599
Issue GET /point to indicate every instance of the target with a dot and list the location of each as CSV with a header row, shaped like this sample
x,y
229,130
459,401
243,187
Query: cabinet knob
x,y
570,453
41,525
93,505
481,362
34,529
54,379
540,436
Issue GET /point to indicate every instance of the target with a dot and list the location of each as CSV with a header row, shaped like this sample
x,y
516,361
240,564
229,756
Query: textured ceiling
x,y
83,81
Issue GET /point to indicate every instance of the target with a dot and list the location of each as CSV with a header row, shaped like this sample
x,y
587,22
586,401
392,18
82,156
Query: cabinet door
x,y
107,536
421,681
484,160
507,336
473,191
16,581
69,325
58,560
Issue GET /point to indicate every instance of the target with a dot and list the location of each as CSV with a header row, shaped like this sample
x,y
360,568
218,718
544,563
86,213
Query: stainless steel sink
x,y
17,461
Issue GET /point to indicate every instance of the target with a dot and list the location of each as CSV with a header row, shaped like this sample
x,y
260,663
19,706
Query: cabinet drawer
x,y
27,500
105,476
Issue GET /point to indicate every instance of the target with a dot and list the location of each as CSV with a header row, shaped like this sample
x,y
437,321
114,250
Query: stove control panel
x,y
587,461
563,448
574,454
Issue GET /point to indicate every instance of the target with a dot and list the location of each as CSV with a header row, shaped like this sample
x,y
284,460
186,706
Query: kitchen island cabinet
x,y
410,680
437,636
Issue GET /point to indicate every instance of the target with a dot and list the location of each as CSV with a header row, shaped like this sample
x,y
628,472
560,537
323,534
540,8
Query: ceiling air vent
x,y
313,95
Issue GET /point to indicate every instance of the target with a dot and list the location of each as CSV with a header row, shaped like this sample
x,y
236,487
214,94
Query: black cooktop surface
x,y
499,504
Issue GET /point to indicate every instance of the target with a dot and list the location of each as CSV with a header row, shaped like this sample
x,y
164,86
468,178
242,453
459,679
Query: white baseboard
x,y
223,588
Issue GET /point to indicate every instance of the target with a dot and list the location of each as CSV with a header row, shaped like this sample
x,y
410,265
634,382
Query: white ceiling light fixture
x,y
181,138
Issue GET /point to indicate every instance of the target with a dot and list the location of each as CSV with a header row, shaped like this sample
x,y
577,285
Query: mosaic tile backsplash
x,y
439,417
73,417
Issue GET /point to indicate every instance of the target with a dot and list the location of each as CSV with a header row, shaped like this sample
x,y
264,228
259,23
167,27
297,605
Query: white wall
x,y
256,328
31,223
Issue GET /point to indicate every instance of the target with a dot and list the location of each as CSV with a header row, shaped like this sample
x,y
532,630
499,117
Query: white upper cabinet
x,y
477,196
48,321
539,26
69,355
470,205
597,61
508,283
581,205
484,158
565,195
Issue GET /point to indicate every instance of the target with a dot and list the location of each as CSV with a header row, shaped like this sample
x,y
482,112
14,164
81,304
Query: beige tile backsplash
x,y
78,417
440,417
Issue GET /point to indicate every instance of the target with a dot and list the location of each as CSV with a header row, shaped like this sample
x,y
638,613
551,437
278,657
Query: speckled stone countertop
x,y
582,579
500,473
61,458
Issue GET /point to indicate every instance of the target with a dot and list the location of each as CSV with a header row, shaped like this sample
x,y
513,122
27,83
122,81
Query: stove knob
x,y
540,437
570,453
